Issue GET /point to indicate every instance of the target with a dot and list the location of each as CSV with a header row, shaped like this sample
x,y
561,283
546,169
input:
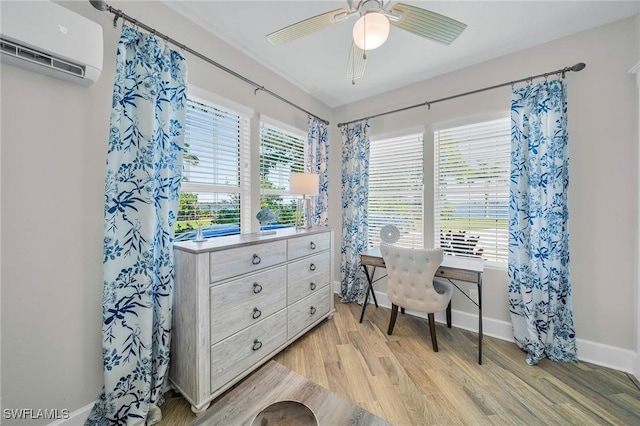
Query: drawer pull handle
x,y
256,313
256,259
313,286
257,288
257,344
312,267
312,245
312,310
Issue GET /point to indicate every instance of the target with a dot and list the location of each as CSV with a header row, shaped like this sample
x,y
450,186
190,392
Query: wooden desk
x,y
469,269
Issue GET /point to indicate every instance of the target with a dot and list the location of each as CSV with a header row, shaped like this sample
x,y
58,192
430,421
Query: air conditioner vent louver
x,y
21,52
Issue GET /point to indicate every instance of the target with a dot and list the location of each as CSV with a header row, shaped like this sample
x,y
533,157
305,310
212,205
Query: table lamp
x,y
305,184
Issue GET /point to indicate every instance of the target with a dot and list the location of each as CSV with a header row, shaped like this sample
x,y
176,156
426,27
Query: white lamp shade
x,y
304,183
371,31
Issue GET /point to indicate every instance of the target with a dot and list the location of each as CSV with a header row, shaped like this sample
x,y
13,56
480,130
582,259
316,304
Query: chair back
x,y
410,278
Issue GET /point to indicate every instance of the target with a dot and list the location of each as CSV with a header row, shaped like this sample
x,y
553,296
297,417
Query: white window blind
x,y
215,186
471,176
282,152
396,188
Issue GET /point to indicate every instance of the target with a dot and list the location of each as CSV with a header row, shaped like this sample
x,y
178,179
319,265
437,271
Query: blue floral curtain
x,y
539,288
355,200
142,187
318,147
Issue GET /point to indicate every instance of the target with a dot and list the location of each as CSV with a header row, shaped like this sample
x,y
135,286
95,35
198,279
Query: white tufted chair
x,y
411,284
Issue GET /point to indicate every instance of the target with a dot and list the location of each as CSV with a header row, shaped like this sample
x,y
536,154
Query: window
x,y
471,177
396,188
215,188
282,152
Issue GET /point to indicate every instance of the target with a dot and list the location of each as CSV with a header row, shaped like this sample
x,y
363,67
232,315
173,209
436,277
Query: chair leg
x,y
449,314
432,330
392,321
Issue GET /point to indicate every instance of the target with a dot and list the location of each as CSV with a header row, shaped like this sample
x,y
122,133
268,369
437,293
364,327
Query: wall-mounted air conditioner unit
x,y
45,37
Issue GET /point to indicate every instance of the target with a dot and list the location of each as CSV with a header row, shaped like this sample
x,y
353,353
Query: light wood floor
x,y
402,380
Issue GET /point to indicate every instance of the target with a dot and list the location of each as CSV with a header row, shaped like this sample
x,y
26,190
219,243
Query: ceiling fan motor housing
x,y
365,6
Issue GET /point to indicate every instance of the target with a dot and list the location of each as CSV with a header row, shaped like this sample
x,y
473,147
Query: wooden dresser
x,y
241,299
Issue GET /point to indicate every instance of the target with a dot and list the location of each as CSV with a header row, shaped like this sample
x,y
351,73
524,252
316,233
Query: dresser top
x,y
239,240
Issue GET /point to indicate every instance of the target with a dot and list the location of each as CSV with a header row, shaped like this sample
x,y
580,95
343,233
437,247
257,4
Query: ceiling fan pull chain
x,y
364,36
353,68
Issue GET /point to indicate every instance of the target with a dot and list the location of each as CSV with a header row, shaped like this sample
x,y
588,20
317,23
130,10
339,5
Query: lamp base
x,y
303,214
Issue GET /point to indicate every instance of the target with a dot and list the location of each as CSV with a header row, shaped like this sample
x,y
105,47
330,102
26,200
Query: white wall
x,y
603,149
53,148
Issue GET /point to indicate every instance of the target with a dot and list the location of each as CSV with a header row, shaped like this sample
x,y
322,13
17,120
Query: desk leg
x,y
370,280
369,289
480,319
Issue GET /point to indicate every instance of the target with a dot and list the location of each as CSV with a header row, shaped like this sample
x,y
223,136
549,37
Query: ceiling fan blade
x,y
356,64
307,26
427,24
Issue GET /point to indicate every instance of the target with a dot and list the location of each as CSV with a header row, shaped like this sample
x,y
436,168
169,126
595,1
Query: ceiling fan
x,y
372,27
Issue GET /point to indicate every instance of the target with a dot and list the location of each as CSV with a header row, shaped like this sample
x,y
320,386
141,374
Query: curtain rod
x,y
102,6
577,67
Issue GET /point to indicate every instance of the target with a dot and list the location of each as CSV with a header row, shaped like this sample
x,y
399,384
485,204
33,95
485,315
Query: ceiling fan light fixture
x,y
371,31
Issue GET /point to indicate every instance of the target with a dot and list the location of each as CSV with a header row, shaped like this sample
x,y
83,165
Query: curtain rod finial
x,y
101,5
578,67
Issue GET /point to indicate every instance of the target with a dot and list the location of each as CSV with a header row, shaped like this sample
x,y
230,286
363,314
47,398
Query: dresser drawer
x,y
309,244
308,275
238,304
238,353
229,263
307,311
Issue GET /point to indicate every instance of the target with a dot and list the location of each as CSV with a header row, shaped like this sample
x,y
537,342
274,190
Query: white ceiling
x,y
317,63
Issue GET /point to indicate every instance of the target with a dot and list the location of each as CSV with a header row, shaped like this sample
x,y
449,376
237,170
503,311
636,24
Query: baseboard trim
x,y
76,418
623,360
596,353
